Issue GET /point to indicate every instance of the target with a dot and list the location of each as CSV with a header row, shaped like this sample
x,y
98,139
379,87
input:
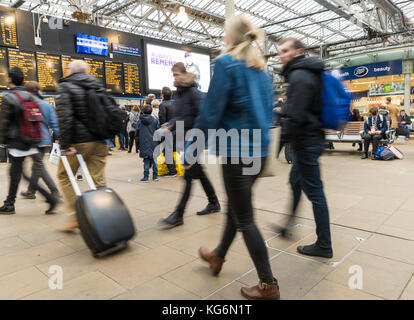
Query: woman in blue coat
x,y
240,98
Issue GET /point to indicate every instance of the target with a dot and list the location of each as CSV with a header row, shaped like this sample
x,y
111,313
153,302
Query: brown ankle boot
x,y
263,291
215,261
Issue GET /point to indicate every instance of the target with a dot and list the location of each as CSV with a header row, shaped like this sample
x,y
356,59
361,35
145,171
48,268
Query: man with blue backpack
x,y
304,123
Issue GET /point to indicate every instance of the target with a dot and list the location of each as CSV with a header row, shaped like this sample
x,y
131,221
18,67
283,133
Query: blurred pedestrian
x,y
240,86
304,132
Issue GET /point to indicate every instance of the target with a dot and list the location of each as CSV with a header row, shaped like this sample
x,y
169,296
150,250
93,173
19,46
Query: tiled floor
x,y
372,222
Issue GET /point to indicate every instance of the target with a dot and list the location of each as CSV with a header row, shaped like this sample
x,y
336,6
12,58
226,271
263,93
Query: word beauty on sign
x,y
371,70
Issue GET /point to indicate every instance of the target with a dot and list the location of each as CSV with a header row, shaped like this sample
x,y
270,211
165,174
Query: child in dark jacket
x,y
144,134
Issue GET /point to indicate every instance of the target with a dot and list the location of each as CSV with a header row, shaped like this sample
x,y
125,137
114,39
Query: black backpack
x,y
105,118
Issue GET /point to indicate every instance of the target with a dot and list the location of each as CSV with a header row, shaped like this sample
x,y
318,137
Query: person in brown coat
x,y
394,113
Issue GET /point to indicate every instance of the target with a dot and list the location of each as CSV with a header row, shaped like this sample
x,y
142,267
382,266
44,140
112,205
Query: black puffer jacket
x,y
72,108
187,102
166,112
304,101
11,113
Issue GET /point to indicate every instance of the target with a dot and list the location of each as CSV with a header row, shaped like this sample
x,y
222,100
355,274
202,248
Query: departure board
x,y
25,61
131,78
65,63
8,28
3,69
48,71
113,76
97,69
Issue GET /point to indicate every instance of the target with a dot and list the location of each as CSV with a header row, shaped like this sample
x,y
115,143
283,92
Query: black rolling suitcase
x,y
103,218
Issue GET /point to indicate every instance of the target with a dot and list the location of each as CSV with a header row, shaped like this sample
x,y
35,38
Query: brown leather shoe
x,y
211,257
263,291
68,226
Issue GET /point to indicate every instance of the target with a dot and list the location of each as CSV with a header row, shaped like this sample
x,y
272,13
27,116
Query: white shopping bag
x,y
54,157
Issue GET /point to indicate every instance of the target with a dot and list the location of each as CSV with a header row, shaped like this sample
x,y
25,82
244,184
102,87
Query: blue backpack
x,y
336,102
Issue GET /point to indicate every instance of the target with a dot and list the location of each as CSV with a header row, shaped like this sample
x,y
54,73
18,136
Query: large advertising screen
x,y
160,60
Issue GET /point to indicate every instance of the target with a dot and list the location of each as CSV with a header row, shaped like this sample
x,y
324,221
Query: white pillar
x,y
229,8
407,70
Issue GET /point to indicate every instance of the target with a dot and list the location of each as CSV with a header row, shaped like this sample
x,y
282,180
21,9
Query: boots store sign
x,y
371,70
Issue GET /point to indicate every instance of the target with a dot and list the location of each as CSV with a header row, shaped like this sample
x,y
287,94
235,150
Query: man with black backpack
x,y
88,118
304,132
21,131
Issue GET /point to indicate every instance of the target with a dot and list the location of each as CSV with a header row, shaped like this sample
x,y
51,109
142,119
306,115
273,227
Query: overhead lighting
x,y
182,15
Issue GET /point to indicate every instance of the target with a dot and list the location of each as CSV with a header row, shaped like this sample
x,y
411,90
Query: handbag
x,y
271,164
54,157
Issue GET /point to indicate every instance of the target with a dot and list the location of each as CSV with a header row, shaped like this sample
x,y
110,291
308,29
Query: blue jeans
x,y
408,127
305,175
148,163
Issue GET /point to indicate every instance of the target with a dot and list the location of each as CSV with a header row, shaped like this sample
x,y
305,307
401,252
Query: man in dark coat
x,y
186,108
303,129
144,138
75,135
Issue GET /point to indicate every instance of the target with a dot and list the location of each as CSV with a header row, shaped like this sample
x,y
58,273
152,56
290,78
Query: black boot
x,y
7,209
316,251
364,155
212,207
175,219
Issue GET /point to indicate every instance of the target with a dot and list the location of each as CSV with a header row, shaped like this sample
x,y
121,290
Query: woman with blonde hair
x,y
155,104
240,97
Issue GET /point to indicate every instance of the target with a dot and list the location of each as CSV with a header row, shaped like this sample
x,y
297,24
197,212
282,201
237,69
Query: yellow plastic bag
x,y
162,166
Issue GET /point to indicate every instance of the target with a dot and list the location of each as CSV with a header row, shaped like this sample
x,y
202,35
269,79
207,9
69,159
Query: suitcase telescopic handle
x,y
71,176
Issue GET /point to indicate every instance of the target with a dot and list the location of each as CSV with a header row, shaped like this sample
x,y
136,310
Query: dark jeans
x,y
148,163
131,141
123,139
375,142
39,170
16,170
240,218
195,172
305,175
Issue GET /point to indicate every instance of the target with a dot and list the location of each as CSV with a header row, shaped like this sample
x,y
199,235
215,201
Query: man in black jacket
x,y
165,115
18,147
303,125
72,110
186,108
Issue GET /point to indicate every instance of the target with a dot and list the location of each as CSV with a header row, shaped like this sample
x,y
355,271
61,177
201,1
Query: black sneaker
x,y
7,209
175,219
212,207
28,195
170,175
53,202
316,251
364,156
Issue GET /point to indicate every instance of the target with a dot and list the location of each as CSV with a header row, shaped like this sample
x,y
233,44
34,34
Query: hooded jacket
x,y
72,108
187,102
304,101
11,113
144,134
50,121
